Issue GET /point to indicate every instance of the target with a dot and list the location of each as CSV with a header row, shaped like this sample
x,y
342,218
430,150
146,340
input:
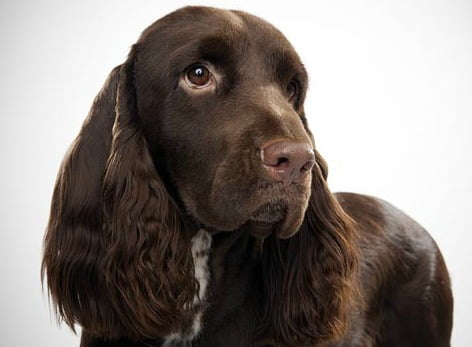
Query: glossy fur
x,y
167,230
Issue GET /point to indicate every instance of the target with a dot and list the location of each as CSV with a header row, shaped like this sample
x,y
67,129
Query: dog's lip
x,y
270,212
291,202
267,218
287,228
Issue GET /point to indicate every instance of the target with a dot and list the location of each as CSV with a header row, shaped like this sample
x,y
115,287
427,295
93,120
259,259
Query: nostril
x,y
281,162
275,157
308,166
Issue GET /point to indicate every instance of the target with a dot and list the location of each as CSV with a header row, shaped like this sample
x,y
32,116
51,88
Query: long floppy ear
x,y
116,255
310,279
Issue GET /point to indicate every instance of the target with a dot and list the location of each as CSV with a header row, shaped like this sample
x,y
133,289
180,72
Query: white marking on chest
x,y
200,249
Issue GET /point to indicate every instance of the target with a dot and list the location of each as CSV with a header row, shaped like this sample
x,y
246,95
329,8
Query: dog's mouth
x,y
266,209
271,212
282,215
267,219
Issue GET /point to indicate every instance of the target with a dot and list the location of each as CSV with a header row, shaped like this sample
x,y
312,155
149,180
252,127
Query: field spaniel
x,y
193,209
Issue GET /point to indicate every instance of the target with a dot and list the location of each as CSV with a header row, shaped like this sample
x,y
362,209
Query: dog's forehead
x,y
195,23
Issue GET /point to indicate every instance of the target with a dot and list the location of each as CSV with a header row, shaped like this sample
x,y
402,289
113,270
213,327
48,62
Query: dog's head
x,y
202,126
219,98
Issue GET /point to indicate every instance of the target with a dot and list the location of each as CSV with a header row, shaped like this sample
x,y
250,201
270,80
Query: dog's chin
x,y
275,217
267,219
270,212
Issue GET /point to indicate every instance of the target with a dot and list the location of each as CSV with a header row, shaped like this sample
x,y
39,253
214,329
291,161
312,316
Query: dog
x,y
193,209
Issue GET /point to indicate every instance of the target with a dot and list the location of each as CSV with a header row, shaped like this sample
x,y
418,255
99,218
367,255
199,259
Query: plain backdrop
x,y
389,104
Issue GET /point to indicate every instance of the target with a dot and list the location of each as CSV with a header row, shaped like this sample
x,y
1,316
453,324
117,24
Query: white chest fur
x,y
200,248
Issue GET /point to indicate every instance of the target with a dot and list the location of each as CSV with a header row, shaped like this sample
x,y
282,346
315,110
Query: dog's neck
x,y
236,285
233,252
227,267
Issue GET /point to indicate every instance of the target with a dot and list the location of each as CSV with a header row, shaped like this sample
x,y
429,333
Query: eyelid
x,y
298,98
196,64
296,86
205,64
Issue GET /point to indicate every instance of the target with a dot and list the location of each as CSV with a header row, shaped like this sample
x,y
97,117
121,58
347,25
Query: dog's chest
x,y
201,244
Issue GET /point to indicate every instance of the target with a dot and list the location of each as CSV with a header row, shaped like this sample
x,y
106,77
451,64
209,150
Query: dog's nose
x,y
287,161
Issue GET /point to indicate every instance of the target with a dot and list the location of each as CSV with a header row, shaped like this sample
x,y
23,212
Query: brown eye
x,y
198,76
292,91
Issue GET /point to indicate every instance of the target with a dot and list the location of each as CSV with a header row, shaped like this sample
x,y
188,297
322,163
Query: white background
x,y
390,106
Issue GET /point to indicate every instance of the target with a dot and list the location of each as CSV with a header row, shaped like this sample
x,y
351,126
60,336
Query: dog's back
x,y
406,294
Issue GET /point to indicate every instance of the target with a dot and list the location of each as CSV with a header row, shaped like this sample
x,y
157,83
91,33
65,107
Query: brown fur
x,y
155,162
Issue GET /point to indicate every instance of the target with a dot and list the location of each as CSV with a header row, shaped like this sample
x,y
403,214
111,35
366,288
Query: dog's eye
x,y
292,91
198,76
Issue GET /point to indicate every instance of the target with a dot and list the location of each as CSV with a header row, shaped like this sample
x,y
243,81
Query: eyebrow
x,y
215,49
212,49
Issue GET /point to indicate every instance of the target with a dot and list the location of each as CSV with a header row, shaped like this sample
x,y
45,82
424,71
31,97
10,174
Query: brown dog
x,y
193,210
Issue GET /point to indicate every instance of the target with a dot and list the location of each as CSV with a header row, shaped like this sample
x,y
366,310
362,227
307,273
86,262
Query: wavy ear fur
x,y
309,279
114,250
